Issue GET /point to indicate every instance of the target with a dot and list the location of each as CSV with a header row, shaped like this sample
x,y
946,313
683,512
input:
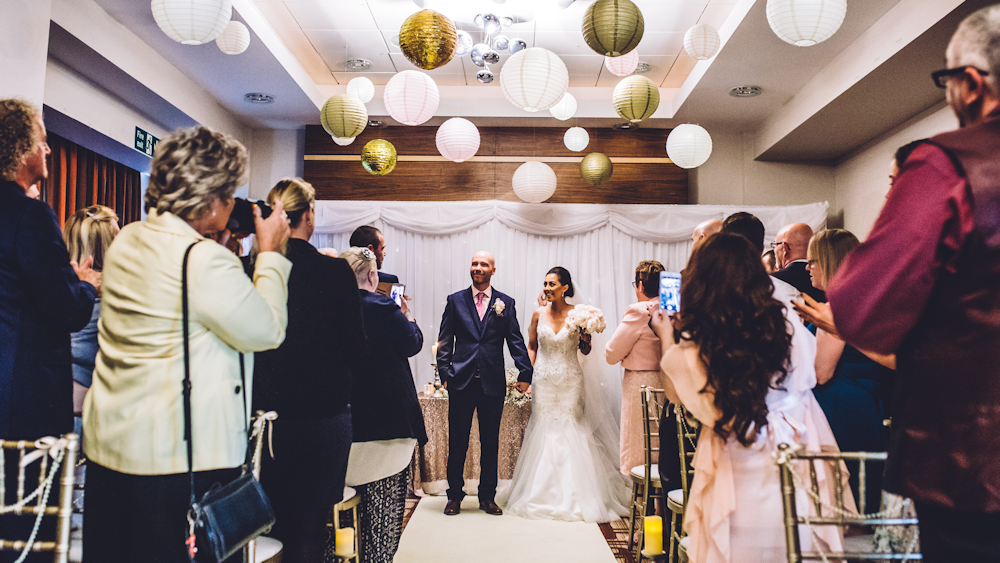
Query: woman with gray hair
x,y
137,485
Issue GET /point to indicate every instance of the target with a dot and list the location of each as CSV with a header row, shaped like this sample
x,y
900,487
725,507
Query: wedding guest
x,y
751,228
308,381
88,233
790,246
770,264
637,348
371,238
704,230
385,411
138,489
746,372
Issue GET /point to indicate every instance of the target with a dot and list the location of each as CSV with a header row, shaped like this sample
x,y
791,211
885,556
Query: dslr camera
x,y
241,219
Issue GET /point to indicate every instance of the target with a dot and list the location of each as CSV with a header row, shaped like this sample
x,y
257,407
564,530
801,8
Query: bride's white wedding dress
x,y
567,470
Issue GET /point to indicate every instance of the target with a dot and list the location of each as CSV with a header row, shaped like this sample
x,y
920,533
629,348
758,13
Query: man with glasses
x,y
790,247
926,287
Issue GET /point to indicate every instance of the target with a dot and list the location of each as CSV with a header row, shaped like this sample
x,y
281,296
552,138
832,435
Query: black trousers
x,y
948,535
462,403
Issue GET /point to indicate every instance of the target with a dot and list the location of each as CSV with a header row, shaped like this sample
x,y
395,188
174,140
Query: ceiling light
x,y
258,98
624,126
642,68
358,64
375,124
745,91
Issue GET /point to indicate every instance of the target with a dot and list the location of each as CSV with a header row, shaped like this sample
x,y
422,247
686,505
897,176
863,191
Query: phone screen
x,y
396,293
670,292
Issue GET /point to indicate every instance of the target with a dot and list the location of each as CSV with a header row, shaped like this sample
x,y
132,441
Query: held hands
x,y
585,342
86,273
819,314
522,386
273,232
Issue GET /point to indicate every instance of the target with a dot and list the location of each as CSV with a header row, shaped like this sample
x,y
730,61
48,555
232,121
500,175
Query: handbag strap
x,y
187,370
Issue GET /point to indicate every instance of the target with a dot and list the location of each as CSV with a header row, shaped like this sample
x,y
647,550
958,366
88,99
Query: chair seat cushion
x,y
685,542
860,544
675,501
639,473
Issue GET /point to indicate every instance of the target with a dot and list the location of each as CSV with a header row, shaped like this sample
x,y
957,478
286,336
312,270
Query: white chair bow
x,y
265,419
48,444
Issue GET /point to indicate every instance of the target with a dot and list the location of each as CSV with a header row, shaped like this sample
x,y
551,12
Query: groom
x,y
474,326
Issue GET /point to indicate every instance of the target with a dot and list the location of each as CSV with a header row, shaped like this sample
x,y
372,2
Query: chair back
x,y
261,549
34,502
836,515
652,404
687,439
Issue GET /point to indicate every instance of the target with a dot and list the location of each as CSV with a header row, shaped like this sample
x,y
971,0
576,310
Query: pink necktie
x,y
480,306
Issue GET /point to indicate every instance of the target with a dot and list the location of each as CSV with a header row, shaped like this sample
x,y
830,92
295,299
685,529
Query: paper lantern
x,y
411,97
378,157
344,116
805,22
192,22
612,27
534,181
362,89
596,168
457,139
689,146
342,141
636,98
534,79
576,139
565,108
428,39
702,42
234,39
623,65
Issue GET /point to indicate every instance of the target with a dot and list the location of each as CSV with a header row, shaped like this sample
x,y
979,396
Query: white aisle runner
x,y
476,537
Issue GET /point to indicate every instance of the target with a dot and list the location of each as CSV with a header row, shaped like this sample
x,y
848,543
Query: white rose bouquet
x,y
515,397
587,320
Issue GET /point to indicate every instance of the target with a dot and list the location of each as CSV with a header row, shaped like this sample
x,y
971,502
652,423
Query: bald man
x,y
475,324
704,230
790,247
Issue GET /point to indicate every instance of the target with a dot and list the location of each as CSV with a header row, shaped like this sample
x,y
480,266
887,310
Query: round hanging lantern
x,y
457,139
234,39
192,22
343,141
805,22
689,146
596,168
344,116
576,139
702,42
362,89
378,157
636,98
623,65
411,97
612,27
534,79
534,181
428,39
565,108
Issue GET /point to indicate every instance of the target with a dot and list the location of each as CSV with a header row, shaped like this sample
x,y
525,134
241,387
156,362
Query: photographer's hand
x,y
273,231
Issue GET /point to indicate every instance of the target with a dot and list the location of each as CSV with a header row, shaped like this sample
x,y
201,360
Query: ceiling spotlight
x,y
358,64
642,68
375,124
258,98
624,126
745,91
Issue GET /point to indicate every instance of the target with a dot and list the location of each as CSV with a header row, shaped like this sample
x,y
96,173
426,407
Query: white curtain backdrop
x,y
430,246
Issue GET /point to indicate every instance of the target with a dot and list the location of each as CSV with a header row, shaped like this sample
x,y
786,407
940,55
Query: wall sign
x,y
145,142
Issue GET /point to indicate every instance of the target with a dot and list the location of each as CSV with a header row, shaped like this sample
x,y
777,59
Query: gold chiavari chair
x,y
262,549
834,515
349,505
36,505
646,477
687,436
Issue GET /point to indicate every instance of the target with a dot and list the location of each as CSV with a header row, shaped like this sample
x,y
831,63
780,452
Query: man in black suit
x,y
370,237
475,324
790,247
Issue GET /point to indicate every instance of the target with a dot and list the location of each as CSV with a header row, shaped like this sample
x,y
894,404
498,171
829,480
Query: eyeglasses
x,y
940,77
775,245
635,284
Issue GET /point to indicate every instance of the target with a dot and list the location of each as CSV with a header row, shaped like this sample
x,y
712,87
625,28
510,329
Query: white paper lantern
x,y
564,108
343,141
234,39
576,139
689,146
192,22
362,89
702,42
411,97
805,22
623,65
457,139
534,79
534,181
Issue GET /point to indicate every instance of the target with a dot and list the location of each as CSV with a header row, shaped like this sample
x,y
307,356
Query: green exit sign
x,y
145,142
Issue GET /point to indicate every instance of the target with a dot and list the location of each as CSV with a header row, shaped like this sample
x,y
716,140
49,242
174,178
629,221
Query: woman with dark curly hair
x,y
735,359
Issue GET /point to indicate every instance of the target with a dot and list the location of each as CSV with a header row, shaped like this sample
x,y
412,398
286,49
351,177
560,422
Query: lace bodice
x,y
558,378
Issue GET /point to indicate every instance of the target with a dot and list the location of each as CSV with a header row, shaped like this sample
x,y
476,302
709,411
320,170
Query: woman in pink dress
x,y
744,368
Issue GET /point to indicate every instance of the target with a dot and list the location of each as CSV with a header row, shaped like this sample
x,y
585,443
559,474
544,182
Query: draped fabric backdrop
x,y
430,245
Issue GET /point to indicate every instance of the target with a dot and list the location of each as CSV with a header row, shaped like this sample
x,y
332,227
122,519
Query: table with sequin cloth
x,y
430,461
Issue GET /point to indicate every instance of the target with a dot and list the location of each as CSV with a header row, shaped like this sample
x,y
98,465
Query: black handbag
x,y
229,516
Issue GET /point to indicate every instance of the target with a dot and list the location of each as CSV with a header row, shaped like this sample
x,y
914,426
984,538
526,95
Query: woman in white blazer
x,y
137,492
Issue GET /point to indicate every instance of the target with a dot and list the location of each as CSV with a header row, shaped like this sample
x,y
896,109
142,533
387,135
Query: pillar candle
x,y
345,542
434,350
654,534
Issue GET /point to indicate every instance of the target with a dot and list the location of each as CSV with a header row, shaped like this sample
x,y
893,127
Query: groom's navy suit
x,y
470,361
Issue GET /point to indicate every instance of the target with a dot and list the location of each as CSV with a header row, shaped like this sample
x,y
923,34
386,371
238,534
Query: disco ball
x,y
464,45
517,44
501,43
477,53
491,57
485,76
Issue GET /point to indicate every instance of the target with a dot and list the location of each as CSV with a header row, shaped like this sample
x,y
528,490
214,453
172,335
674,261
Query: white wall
x,y
274,154
862,179
24,45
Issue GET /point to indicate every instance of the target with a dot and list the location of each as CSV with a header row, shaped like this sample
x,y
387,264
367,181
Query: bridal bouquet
x,y
586,319
515,397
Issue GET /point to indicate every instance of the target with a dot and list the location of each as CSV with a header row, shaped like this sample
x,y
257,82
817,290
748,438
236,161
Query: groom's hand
x,y
522,386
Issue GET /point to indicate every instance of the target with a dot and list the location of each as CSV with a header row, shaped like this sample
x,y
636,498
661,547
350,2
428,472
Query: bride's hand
x,y
585,345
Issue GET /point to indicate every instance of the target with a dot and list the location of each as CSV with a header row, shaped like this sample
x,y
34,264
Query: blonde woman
x,y
88,233
307,381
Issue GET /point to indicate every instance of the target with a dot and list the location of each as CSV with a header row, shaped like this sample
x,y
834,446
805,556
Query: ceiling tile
x,y
659,66
584,64
661,44
391,39
378,78
401,63
306,54
679,72
715,14
672,16
277,14
345,15
570,19
390,14
563,42
336,47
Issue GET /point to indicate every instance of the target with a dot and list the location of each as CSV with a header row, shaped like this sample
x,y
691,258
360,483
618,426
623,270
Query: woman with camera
x,y
138,490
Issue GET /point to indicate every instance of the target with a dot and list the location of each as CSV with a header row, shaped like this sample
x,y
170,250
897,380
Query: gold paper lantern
x,y
344,116
428,39
379,157
596,168
636,98
612,27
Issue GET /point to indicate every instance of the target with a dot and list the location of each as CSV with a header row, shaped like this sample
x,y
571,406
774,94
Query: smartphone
x,y
670,292
396,293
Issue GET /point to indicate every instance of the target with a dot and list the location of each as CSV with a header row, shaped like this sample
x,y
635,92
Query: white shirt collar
x,y
488,291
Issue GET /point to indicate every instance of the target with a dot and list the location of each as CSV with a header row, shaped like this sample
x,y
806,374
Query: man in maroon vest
x,y
926,287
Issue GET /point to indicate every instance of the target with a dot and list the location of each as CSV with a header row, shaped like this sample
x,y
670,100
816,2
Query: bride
x,y
568,466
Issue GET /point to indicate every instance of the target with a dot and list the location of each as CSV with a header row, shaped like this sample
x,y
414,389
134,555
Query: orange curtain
x,y
80,177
